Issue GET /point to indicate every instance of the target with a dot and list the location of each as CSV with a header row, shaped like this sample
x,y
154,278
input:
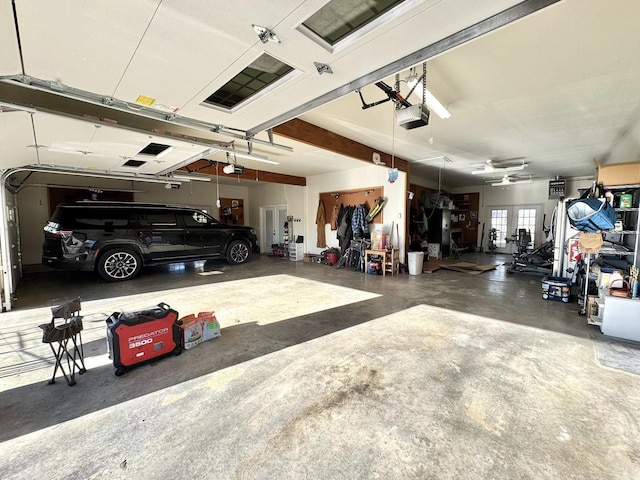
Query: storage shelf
x,y
613,251
593,320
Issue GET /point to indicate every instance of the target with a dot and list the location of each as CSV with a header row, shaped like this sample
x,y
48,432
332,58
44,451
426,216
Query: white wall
x,y
33,203
358,178
535,193
627,148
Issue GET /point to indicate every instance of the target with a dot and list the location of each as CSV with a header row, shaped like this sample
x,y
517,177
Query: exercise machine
x,y
493,236
538,260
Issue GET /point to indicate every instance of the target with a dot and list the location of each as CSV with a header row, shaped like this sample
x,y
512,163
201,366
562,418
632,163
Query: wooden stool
x,y
390,260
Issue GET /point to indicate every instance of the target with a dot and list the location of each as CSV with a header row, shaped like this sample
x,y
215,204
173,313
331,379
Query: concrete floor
x,y
322,373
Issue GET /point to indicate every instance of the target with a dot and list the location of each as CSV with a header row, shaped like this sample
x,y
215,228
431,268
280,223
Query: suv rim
x,y
239,252
120,265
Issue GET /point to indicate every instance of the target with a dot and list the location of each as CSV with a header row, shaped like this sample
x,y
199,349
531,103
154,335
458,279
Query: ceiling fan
x,y
509,180
491,167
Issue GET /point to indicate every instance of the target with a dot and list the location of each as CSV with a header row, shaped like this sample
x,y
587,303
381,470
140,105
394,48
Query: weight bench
x,y
65,340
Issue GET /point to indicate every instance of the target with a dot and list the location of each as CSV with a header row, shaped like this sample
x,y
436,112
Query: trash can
x,y
416,260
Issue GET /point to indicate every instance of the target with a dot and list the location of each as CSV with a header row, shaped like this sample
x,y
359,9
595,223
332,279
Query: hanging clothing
x,y
321,241
335,212
344,233
359,223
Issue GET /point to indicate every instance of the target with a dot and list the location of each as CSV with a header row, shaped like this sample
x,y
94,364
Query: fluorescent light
x,y
188,178
248,156
429,99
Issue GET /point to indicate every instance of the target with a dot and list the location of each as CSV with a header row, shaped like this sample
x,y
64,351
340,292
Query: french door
x,y
272,220
508,221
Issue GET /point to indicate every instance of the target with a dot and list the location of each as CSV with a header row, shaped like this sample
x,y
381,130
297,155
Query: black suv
x,y
117,239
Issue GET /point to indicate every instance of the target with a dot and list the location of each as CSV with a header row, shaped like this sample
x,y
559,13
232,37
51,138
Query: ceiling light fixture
x,y
415,84
507,180
188,178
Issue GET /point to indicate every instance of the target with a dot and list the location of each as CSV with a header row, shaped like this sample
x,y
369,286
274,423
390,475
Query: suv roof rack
x,y
104,203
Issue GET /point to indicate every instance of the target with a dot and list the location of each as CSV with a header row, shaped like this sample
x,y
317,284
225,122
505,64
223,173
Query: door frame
x,y
510,248
264,248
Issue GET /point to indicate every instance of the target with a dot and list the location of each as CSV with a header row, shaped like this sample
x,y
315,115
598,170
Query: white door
x,y
509,220
272,220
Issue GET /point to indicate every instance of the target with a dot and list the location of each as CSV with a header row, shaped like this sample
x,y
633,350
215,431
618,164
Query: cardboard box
x,y
191,331
199,328
210,325
619,174
592,306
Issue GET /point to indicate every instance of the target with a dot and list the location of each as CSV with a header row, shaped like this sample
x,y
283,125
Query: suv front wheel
x,y
238,252
119,264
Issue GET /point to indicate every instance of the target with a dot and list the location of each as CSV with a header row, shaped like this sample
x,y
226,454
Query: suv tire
x,y
118,264
238,252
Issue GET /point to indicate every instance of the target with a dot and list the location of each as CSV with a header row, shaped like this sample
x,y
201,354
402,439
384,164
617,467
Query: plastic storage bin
x,y
296,252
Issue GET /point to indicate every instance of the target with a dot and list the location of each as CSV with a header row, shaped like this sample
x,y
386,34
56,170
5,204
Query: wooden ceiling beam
x,y
310,134
209,168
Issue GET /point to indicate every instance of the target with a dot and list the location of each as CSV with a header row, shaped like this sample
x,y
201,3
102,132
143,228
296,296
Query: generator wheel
x,y
120,371
177,351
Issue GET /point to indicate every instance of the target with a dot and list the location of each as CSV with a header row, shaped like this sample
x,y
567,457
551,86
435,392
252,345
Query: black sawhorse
x,y
65,340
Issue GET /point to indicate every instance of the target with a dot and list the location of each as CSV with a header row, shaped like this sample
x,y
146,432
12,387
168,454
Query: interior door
x,y
272,220
509,220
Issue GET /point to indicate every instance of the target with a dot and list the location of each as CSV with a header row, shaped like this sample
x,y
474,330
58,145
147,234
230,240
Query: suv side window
x,y
92,218
156,218
194,218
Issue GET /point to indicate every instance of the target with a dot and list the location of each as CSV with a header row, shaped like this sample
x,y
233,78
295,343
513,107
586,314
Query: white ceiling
x,y
558,87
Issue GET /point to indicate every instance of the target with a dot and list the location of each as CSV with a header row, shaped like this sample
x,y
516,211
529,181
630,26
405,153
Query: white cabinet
x,y
621,317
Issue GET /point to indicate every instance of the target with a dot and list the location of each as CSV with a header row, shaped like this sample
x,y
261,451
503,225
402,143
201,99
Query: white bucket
x,y
416,259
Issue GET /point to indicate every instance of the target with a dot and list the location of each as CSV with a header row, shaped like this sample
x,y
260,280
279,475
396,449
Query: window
x,y
340,18
157,219
83,218
196,219
499,222
527,221
263,72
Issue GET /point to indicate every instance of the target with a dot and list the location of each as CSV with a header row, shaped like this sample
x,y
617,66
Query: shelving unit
x,y
288,234
619,316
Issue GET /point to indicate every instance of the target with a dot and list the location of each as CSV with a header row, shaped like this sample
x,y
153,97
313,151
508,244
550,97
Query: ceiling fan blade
x,y
490,168
513,168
